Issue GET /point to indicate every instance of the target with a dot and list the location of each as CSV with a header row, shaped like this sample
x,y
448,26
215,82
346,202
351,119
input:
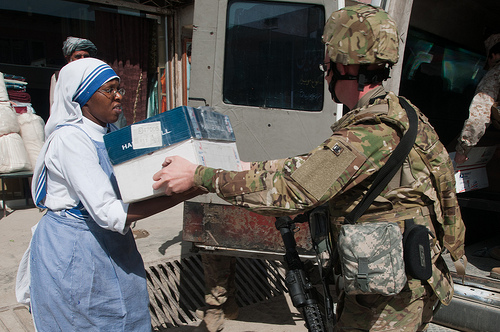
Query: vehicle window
x,y
272,55
440,78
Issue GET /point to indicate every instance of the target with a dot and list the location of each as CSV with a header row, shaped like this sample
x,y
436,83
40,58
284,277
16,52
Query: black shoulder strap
x,y
387,172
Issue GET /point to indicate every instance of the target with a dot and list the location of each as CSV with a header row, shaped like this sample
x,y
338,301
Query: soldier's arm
x,y
475,126
268,165
344,160
479,111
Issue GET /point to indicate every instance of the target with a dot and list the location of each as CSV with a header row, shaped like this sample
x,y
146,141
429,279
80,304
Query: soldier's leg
x,y
410,310
219,279
219,292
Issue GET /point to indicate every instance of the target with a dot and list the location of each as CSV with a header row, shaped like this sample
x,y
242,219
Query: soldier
x,y
483,112
362,45
220,292
480,110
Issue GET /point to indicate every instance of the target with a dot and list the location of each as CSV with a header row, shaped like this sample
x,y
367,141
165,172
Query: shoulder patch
x,y
323,168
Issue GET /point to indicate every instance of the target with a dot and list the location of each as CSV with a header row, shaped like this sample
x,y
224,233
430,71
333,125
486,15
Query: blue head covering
x,y
77,82
97,77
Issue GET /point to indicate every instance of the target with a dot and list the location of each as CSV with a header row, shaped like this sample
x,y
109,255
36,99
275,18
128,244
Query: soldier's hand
x,y
176,176
245,165
460,158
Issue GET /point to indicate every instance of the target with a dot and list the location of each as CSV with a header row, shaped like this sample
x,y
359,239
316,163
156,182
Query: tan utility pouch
x,y
371,258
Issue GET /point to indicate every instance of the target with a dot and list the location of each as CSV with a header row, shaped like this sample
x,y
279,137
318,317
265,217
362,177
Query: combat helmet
x,y
361,34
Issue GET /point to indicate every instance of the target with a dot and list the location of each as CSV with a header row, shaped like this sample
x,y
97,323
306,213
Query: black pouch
x,y
417,250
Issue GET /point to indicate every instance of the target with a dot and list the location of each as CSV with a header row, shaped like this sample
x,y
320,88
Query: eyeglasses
x,y
324,68
111,93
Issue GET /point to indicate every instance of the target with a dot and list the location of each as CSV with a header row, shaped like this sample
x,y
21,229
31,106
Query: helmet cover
x,y
361,34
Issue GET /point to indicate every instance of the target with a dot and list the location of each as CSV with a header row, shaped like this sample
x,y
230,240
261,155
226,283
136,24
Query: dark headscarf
x,y
72,44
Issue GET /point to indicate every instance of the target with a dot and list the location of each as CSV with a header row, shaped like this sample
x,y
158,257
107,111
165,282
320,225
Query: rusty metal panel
x,y
237,228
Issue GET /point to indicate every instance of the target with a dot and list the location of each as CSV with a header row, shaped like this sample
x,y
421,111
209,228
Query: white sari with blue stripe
x,y
86,271
84,277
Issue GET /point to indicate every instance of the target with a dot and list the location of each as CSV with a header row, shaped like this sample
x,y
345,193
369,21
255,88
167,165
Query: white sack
x,y
8,119
4,96
29,107
13,155
33,134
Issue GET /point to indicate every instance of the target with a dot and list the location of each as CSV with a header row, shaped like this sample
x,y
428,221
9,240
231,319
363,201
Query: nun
x,y
86,271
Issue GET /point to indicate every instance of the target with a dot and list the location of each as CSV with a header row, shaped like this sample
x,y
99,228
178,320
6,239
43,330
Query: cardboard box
x,y
472,175
137,152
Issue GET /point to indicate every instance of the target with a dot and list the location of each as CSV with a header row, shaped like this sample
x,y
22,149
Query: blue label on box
x,y
162,130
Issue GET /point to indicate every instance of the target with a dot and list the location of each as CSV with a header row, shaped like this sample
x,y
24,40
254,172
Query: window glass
x,y
440,78
272,55
32,38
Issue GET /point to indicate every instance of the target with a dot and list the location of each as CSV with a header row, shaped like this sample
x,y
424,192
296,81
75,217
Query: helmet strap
x,y
338,77
331,88
335,78
367,77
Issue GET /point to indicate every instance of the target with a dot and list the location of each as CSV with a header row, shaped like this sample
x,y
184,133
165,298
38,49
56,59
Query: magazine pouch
x,y
371,258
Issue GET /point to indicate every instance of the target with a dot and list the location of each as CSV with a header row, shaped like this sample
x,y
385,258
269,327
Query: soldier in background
x,y
220,292
362,45
481,110
220,286
483,125
219,272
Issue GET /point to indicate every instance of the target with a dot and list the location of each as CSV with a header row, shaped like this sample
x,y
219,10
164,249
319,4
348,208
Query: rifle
x,y
303,294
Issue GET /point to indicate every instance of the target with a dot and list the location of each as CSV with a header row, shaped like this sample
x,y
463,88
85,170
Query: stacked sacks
x,y
13,155
4,95
21,136
16,89
32,133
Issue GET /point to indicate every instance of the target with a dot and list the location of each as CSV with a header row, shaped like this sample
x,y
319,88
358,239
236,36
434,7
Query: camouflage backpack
x,y
451,230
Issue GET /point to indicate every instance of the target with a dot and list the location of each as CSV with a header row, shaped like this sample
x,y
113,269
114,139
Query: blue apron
x,y
84,277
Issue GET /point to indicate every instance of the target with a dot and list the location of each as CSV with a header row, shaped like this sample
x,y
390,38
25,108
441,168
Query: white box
x,y
472,175
135,177
137,151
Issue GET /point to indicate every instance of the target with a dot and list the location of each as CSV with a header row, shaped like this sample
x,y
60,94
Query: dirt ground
x,y
160,239
163,241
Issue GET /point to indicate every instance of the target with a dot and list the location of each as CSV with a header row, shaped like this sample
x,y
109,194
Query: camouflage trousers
x,y
219,278
410,310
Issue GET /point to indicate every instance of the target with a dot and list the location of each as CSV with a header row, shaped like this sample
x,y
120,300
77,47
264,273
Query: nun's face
x,y
105,104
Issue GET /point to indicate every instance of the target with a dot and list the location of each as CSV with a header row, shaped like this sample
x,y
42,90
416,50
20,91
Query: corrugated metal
x,y
176,289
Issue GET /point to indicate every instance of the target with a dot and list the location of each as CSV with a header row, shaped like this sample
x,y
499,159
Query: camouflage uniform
x,y
480,109
219,273
341,170
361,143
